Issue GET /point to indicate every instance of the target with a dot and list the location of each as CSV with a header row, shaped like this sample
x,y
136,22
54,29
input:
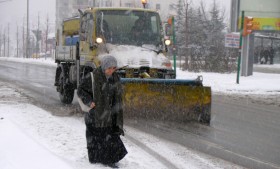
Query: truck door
x,y
86,38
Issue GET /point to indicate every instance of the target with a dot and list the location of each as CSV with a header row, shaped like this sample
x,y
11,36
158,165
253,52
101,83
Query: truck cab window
x,y
87,28
129,28
83,29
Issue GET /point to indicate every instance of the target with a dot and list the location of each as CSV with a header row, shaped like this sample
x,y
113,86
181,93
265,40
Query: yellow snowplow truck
x,y
136,39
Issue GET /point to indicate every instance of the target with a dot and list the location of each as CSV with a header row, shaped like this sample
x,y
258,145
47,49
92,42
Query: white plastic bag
x,y
86,108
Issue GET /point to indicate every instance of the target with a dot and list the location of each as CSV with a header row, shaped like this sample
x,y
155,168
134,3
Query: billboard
x,y
260,8
264,24
256,9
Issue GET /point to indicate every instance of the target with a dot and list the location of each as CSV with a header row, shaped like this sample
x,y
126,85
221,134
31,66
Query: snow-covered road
x,y
32,138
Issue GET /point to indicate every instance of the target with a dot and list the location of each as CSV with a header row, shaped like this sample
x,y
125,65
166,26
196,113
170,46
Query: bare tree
x,y
201,37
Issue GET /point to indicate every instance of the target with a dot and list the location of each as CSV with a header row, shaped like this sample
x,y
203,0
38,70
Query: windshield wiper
x,y
157,51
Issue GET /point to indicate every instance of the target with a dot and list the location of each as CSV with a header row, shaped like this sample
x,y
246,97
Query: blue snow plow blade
x,y
192,82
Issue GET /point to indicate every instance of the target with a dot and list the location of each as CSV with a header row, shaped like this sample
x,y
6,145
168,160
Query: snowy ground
x,y
32,138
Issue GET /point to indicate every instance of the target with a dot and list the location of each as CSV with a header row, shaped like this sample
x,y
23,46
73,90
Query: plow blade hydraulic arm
x,y
167,99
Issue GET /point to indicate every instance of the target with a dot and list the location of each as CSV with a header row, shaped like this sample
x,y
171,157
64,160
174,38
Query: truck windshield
x,y
129,27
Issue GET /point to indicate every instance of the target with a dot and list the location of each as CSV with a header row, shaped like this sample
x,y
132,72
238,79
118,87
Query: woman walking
x,y
104,121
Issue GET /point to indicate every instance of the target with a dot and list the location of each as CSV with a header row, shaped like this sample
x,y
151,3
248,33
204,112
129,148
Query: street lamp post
x,y
144,2
27,33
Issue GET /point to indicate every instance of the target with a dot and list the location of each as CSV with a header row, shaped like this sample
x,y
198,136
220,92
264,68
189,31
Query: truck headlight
x,y
167,42
99,40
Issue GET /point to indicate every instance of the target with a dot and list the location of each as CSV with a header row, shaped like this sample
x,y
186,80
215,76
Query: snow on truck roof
x,y
119,8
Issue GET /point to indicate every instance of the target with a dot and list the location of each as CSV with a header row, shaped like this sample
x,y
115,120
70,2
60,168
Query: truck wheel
x,y
66,92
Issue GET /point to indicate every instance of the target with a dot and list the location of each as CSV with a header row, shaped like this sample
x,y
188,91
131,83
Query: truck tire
x,y
66,91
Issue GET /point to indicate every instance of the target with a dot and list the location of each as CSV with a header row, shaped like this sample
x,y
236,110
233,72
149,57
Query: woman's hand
x,y
92,105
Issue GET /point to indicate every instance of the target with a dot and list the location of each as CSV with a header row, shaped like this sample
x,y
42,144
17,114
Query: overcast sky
x,y
14,12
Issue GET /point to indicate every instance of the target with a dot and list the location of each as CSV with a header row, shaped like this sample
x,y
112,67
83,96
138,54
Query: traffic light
x,y
169,21
248,25
169,27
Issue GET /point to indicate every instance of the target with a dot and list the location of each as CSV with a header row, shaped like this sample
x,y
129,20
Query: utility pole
x,y
240,47
23,41
17,41
1,41
47,32
27,33
4,42
8,39
37,38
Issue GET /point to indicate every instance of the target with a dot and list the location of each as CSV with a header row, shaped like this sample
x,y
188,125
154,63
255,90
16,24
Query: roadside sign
x,y
232,40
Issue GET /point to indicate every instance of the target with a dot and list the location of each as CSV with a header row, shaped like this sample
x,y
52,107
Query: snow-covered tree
x,y
215,60
197,43
200,37
180,26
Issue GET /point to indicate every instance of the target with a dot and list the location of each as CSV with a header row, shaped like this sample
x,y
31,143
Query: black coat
x,y
104,123
108,110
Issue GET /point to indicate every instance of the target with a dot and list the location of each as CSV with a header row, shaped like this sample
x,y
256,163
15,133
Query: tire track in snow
x,y
153,153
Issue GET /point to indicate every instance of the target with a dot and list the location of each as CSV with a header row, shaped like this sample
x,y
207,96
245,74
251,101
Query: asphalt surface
x,y
244,130
38,84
